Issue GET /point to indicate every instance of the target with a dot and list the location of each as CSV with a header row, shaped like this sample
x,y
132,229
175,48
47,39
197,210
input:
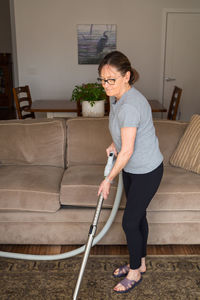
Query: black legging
x,y
139,190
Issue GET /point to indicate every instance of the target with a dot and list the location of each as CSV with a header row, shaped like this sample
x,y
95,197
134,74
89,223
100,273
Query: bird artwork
x,y
94,41
102,43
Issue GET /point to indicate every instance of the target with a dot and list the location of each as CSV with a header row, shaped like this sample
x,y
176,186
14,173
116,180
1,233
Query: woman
x,y
138,156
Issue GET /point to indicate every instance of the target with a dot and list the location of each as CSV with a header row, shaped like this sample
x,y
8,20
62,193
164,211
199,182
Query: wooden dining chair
x,y
23,102
175,100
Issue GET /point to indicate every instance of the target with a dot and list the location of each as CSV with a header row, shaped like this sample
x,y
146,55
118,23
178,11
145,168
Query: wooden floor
x,y
103,250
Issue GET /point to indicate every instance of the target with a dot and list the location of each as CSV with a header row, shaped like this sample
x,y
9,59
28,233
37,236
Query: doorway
x,y
7,110
182,61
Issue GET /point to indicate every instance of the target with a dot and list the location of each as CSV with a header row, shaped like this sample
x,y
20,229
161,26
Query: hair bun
x,y
134,76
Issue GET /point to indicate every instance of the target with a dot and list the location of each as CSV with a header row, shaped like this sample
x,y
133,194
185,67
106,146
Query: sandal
x,y
128,284
122,271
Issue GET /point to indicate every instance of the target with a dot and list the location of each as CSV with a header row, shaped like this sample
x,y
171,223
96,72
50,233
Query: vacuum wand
x,y
93,227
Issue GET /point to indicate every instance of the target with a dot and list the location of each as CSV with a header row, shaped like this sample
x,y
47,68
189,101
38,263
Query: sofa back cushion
x,y
169,134
33,142
187,154
87,140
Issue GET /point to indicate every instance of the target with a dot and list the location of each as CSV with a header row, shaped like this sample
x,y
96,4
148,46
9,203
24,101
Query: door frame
x,y
14,44
166,12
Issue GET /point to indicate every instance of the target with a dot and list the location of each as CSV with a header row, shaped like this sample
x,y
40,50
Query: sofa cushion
x,y
169,134
92,150
30,188
87,140
179,190
33,142
187,154
80,184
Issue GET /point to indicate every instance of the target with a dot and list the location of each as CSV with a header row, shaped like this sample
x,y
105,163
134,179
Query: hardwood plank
x,y
103,249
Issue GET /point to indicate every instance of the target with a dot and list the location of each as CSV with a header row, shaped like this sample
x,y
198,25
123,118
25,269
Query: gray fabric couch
x,y
50,171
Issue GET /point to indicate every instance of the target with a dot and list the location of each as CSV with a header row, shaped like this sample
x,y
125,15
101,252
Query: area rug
x,y
167,278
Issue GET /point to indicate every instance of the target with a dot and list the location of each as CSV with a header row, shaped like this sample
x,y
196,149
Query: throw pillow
x,y
187,154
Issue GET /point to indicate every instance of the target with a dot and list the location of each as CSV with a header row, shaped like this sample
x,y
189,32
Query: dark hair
x,y
118,60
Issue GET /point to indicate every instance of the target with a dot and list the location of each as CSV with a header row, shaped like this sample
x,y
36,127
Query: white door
x,y
182,62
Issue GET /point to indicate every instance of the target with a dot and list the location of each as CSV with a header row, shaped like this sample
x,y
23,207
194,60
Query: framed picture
x,y
95,41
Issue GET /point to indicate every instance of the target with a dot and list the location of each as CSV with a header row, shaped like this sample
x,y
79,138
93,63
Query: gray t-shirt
x,y
133,110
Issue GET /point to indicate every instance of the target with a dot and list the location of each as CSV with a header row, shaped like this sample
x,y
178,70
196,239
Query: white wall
x,y
47,41
5,30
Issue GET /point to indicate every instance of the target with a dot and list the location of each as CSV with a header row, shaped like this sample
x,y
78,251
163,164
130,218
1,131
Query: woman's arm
x,y
128,135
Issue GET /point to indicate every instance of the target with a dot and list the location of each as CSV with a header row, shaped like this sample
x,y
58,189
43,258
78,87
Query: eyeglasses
x,y
110,81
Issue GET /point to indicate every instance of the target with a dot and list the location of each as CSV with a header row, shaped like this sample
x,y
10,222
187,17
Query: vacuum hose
x,y
100,235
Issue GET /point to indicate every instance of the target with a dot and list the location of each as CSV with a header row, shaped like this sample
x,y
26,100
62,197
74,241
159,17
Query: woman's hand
x,y
104,188
111,148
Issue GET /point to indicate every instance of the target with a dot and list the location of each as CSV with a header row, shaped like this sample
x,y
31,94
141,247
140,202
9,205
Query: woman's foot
x,y
143,266
133,278
121,271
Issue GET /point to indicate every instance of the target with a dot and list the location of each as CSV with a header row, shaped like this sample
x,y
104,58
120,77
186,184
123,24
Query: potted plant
x,y
92,97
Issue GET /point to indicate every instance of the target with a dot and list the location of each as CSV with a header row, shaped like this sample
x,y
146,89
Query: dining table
x,y
67,108
156,106
55,108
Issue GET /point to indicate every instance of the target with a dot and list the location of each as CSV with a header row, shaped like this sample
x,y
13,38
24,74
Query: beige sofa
x,y
49,176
